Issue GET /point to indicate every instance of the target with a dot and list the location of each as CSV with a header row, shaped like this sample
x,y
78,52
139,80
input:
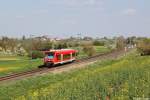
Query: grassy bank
x,y
122,79
12,66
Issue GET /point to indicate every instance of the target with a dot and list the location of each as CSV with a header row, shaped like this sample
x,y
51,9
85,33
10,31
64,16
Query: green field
x,y
11,63
12,66
126,78
98,49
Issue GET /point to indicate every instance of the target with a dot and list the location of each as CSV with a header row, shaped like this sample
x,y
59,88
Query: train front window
x,y
50,55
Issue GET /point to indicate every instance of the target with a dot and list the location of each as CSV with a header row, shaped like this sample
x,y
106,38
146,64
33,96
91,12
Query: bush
x,y
89,50
37,54
144,46
98,43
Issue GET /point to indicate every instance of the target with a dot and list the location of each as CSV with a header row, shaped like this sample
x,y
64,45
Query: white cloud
x,y
77,2
89,2
20,16
129,11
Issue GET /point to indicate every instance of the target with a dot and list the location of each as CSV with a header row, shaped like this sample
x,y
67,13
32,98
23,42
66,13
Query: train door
x,y
71,55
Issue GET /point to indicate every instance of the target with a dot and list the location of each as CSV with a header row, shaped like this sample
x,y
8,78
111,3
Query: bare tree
x,y
120,42
89,49
12,43
4,43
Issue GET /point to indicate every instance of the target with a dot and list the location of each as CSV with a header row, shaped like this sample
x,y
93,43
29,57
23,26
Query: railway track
x,y
82,61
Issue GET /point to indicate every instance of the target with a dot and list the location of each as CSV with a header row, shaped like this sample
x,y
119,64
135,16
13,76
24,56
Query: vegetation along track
x,y
65,67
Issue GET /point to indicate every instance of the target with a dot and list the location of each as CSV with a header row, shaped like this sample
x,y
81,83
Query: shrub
x,y
89,50
37,54
98,43
144,46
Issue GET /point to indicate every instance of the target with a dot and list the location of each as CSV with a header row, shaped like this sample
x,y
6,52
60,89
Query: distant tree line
x,y
8,43
33,47
142,44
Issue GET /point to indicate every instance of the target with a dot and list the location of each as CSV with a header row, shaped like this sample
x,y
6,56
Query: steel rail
x,y
44,70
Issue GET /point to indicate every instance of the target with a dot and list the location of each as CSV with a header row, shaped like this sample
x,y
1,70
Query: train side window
x,y
73,54
59,57
67,56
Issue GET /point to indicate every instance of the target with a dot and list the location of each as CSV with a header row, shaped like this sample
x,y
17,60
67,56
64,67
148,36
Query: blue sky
x,y
64,18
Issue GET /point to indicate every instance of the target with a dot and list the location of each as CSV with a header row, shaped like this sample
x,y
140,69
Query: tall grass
x,y
122,79
12,66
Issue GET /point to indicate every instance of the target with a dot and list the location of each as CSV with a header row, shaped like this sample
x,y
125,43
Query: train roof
x,y
61,50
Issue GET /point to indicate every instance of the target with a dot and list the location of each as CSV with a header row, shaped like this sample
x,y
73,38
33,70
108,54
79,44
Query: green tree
x,y
98,43
144,46
37,54
131,40
46,45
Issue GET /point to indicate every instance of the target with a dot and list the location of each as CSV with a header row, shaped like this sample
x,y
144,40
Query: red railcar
x,y
60,56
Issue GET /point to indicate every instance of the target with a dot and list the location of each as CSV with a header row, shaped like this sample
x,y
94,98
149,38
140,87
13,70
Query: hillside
x,y
13,64
122,79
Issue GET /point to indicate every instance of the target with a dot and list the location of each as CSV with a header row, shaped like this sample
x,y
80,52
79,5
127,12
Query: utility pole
x,y
31,39
53,44
79,41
